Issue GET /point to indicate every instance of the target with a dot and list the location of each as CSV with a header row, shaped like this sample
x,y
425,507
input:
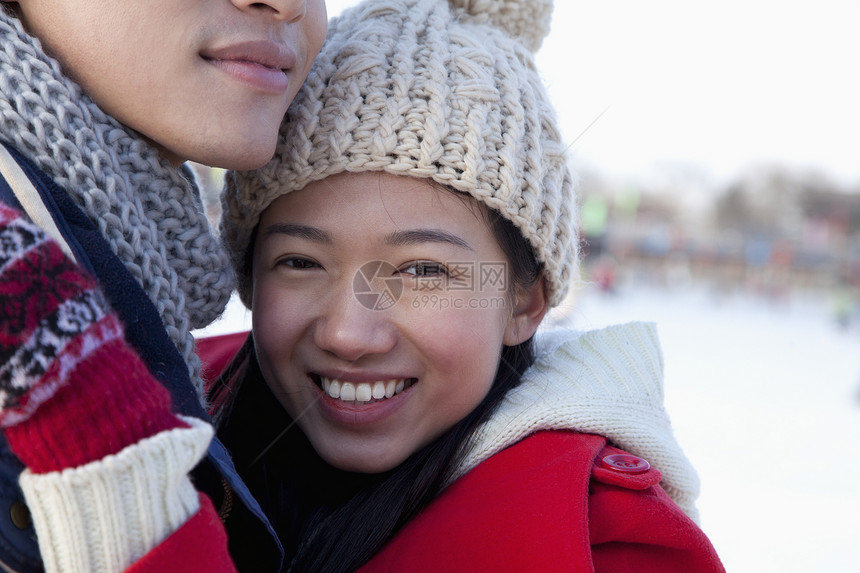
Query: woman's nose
x,y
350,328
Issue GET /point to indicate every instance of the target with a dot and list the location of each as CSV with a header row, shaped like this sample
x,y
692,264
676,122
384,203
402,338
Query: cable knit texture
x,y
424,89
607,382
103,516
149,213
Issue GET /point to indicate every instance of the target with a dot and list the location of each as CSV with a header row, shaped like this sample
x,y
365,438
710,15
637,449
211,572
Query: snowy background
x,y
765,400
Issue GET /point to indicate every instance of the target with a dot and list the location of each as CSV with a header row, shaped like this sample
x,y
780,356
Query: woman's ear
x,y
529,309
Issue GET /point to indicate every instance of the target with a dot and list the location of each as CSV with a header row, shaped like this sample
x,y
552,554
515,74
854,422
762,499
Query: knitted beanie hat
x,y
440,89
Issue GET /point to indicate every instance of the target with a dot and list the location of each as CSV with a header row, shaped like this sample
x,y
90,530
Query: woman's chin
x,y
361,464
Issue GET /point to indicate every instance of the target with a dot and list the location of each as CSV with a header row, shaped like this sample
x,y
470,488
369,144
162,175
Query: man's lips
x,y
262,52
260,64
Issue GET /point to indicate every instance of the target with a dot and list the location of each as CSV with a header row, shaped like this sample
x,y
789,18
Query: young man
x,y
107,262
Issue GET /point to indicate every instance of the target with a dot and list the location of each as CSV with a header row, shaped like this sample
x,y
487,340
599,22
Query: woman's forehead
x,y
377,196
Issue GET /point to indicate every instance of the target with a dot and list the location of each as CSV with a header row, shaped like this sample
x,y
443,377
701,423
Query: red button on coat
x,y
625,463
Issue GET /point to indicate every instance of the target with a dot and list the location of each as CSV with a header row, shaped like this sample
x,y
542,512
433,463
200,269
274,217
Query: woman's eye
x,y
425,269
298,263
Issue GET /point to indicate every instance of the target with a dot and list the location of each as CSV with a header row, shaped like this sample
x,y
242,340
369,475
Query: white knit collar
x,y
150,214
607,382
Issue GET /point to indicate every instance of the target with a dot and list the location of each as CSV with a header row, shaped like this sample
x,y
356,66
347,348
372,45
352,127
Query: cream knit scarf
x,y
607,382
149,213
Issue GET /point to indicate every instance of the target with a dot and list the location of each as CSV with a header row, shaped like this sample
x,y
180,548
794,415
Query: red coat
x,y
547,504
199,545
216,352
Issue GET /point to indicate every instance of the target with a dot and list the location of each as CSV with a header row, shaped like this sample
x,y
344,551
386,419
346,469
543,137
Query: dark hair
x,y
330,520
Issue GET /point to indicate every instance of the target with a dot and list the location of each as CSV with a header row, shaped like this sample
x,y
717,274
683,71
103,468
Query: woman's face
x,y
206,80
380,307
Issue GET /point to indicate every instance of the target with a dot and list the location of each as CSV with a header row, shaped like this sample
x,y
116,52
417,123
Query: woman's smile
x,y
364,392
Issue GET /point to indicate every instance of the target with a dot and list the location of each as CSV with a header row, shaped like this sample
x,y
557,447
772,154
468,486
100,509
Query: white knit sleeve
x,y
105,515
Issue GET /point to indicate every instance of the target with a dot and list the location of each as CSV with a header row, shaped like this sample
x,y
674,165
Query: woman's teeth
x,y
364,391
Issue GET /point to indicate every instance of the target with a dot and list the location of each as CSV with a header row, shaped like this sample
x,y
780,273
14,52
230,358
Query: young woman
x,y
102,240
399,254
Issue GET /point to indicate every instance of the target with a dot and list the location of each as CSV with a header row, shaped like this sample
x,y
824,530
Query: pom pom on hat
x,y
427,89
526,20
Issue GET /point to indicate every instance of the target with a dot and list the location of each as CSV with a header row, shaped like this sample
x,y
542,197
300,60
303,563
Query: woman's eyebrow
x,y
301,231
416,236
